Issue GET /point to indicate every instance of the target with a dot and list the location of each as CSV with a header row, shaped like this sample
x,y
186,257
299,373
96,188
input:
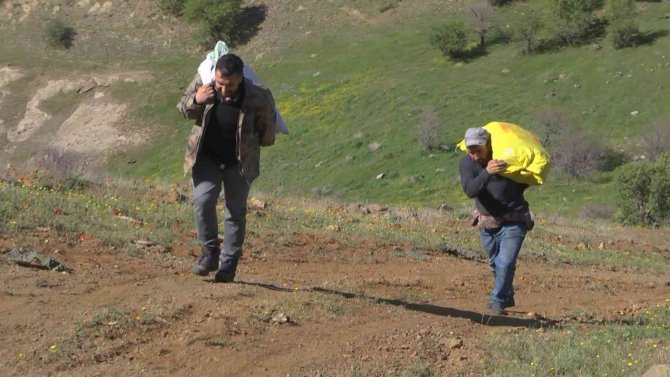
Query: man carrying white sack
x,y
500,211
206,72
234,118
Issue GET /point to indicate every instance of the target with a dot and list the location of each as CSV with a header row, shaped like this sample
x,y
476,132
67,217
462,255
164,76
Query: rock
x,y
377,208
87,87
582,246
634,113
454,343
33,259
281,318
257,203
381,176
659,370
505,71
601,246
562,76
144,243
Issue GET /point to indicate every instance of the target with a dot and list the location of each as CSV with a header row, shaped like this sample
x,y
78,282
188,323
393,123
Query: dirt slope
x,y
303,305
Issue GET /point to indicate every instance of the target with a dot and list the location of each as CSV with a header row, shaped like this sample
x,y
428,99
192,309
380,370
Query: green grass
x,y
118,213
624,348
115,214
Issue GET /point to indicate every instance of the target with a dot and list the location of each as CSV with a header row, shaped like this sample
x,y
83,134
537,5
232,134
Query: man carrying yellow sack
x,y
500,211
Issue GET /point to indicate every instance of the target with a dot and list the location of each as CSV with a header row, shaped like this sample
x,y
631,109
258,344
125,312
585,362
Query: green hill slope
x,y
353,82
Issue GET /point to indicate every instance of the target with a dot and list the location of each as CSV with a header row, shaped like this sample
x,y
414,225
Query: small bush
x,y
388,5
575,19
579,154
624,35
644,191
481,16
59,35
218,17
551,124
656,139
594,211
429,127
623,29
451,39
173,7
527,25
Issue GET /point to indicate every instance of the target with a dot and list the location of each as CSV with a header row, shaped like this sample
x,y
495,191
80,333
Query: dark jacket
x,y
494,195
256,127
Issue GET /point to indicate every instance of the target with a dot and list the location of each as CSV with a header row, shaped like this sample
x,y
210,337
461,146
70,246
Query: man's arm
x,y
187,106
472,182
267,120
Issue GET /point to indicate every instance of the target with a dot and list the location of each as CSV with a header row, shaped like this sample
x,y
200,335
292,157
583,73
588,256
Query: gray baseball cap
x,y
476,136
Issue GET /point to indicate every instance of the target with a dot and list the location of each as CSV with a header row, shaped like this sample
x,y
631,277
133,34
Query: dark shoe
x,y
226,274
497,308
207,262
505,305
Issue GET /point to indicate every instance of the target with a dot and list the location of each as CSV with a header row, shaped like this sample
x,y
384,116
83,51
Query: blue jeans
x,y
502,246
208,177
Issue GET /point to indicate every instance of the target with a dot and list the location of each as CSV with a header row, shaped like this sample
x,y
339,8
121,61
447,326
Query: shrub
x,y
173,7
574,19
656,139
58,34
551,124
623,29
388,5
644,191
526,27
481,15
451,39
579,154
218,17
595,211
428,129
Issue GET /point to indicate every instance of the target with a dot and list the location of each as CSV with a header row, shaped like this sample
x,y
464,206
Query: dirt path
x,y
292,311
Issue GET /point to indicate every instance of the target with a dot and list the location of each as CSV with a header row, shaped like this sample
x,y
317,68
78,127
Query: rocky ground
x,y
302,305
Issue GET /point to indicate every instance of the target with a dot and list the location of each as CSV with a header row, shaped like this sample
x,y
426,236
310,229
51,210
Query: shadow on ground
x,y
483,319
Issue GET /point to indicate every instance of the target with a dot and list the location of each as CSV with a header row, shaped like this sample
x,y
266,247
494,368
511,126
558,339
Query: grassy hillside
x,y
352,82
368,83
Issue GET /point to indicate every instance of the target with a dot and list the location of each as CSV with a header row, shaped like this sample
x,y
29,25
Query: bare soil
x,y
302,305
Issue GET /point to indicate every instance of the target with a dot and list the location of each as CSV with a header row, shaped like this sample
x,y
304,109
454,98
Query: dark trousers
x,y
208,177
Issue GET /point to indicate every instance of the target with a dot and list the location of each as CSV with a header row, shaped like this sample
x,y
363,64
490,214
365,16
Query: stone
x,y
659,370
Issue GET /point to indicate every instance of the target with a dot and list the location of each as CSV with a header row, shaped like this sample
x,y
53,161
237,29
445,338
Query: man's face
x,y
227,86
479,153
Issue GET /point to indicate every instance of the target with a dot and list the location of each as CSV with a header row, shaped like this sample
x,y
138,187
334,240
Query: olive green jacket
x,y
256,126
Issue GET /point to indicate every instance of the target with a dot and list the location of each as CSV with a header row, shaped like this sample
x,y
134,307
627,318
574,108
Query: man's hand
x,y
495,166
205,94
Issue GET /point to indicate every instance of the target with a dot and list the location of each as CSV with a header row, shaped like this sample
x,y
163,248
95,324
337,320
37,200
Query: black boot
x,y
208,261
226,274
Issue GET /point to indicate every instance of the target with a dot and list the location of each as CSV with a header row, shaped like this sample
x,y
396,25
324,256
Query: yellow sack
x,y
527,160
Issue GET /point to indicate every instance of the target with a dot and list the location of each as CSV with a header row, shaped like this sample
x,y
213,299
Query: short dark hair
x,y
230,65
